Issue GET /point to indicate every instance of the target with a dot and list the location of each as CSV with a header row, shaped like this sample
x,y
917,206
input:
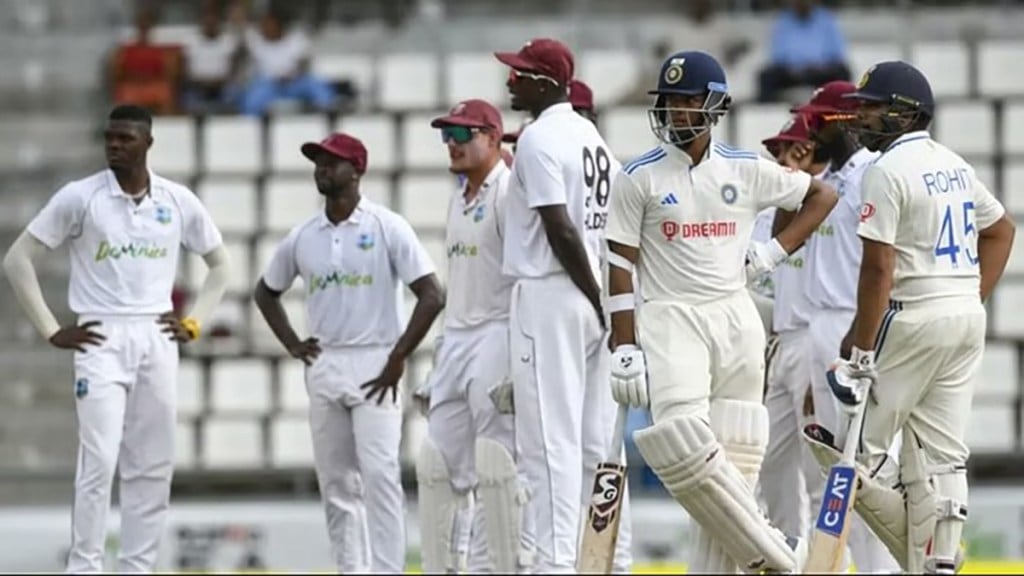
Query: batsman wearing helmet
x,y
935,242
682,214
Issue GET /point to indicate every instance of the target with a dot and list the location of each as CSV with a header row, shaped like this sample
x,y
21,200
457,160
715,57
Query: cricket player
x,y
470,452
581,98
935,242
553,248
353,257
125,227
682,215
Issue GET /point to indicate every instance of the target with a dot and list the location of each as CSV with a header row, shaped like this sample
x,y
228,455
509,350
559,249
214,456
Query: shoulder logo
x,y
365,241
729,193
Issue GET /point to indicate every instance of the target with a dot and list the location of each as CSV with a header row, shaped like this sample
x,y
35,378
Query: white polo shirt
x,y
353,272
280,58
210,59
560,159
790,280
834,251
124,256
693,224
927,202
762,232
477,290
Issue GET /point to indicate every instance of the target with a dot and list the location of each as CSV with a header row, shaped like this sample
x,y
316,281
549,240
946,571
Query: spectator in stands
x,y
280,56
144,73
703,31
807,50
213,62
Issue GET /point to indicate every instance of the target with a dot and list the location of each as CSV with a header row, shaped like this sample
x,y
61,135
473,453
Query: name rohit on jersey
x,y
945,181
686,230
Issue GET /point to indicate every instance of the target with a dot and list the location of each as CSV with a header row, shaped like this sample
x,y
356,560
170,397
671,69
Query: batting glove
x,y
501,395
762,258
850,380
629,376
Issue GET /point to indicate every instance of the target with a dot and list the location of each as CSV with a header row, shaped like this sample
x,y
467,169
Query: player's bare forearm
x,y
429,303
269,304
820,200
568,248
876,269
781,219
994,244
620,281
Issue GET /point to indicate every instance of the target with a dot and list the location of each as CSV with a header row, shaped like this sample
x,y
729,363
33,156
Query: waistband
x,y
118,318
950,304
355,348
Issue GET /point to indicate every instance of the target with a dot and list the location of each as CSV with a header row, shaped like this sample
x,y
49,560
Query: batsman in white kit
x,y
126,227
683,215
353,257
553,245
935,242
470,496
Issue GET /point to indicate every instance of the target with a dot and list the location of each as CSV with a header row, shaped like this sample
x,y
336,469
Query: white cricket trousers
x,y
470,363
126,390
564,414
356,451
789,468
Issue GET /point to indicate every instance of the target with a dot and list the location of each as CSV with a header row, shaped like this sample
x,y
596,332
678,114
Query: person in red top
x,y
144,73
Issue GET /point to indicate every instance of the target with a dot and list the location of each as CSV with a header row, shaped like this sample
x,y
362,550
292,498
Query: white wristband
x,y
621,303
776,251
862,358
619,261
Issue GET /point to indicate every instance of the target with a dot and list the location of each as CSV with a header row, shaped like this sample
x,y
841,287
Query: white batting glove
x,y
850,380
421,396
763,257
502,397
629,376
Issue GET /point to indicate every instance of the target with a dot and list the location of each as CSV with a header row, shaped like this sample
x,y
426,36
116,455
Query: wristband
x,y
621,303
775,251
191,326
862,358
619,261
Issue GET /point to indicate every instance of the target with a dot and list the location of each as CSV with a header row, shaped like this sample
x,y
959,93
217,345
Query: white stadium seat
x,y
743,74
293,397
377,188
1013,186
240,386
289,201
231,201
232,145
475,75
286,137
190,388
184,445
991,429
865,55
266,245
968,128
408,81
1013,128
1006,320
357,68
627,132
174,146
291,442
422,144
423,199
985,171
1016,263
997,59
611,74
241,269
377,132
997,381
946,64
263,339
755,122
232,443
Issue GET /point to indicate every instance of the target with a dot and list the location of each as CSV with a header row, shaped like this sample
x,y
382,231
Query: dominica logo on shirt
x,y
108,251
318,283
462,249
163,214
365,241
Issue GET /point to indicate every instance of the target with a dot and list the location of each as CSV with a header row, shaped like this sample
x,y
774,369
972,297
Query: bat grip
x,y
615,449
853,432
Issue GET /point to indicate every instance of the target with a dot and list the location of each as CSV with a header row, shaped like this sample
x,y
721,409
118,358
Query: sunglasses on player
x,y
514,75
458,134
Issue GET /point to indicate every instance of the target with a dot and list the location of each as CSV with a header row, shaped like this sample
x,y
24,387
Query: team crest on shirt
x,y
365,241
81,388
163,214
729,193
479,213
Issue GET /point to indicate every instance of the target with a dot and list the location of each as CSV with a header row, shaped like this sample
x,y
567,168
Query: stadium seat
x,y
190,388
377,188
967,127
241,274
231,201
289,201
293,398
996,58
611,74
1013,187
946,64
627,132
1000,371
742,75
423,199
755,122
240,386
1006,320
232,443
286,137
377,132
266,245
291,443
232,145
865,55
992,429
184,444
408,81
1013,128
1016,262
984,171
356,68
474,75
435,245
263,339
422,146
174,150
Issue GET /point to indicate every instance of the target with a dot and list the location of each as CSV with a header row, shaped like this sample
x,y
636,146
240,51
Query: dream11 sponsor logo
x,y
687,230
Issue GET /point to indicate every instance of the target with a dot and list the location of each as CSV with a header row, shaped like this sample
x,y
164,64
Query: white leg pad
x,y
936,510
693,466
503,499
443,514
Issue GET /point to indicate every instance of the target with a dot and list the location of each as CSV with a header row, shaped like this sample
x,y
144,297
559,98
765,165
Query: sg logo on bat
x,y
607,494
836,502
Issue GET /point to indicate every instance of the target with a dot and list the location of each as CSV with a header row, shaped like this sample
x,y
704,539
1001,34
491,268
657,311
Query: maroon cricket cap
x,y
472,114
341,145
581,96
828,99
795,130
542,56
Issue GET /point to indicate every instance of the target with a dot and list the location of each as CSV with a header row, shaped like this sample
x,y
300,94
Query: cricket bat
x,y
832,528
601,531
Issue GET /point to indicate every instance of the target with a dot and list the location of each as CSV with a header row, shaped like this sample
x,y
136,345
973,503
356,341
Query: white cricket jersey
x,y
124,256
927,202
834,251
762,232
352,271
477,290
693,224
790,282
560,159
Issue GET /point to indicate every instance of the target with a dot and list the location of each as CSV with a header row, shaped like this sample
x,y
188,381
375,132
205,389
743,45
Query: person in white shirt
x,y
125,227
353,257
213,61
553,248
935,242
682,215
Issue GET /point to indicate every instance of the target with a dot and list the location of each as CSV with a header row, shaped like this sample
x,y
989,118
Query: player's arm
x,y
817,203
567,247
621,301
429,303
995,237
21,273
276,280
268,302
201,236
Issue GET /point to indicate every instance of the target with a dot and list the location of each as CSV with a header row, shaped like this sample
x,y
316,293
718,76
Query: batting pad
x,y
443,514
694,468
498,491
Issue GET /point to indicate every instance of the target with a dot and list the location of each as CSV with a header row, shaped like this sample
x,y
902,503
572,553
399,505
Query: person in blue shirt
x,y
807,50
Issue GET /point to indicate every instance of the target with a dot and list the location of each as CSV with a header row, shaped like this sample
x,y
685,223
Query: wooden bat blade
x,y
828,541
601,531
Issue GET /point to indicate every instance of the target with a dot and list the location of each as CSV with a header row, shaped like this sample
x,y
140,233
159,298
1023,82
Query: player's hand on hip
x,y
77,336
763,257
173,326
850,380
629,376
308,351
503,398
386,382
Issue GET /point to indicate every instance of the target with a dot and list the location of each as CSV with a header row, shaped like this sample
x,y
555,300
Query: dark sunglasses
x,y
458,134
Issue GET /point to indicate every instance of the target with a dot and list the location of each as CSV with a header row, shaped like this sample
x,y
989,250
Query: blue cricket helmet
x,y
688,73
896,83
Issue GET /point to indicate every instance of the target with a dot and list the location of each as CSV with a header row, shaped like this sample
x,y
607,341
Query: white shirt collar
x,y
559,108
908,137
353,218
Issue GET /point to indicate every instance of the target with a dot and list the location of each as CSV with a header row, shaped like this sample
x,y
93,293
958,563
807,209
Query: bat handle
x,y
853,432
615,449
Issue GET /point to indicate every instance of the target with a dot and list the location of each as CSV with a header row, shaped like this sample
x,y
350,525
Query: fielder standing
x,y
126,227
683,214
353,258
553,246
